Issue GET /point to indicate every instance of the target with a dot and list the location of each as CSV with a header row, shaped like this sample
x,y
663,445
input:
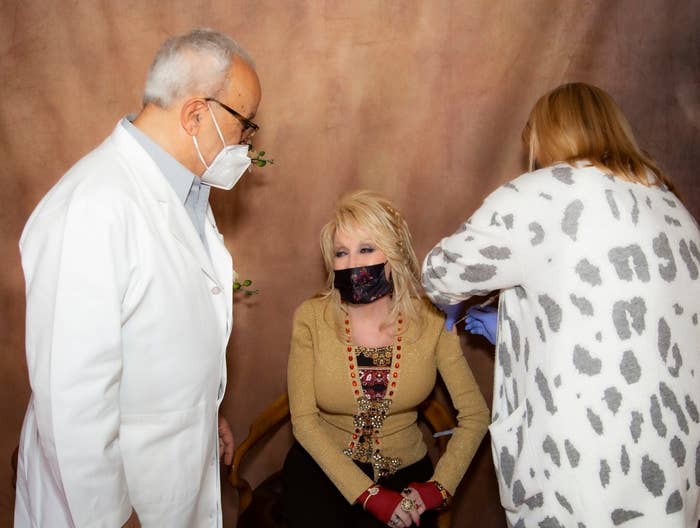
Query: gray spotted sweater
x,y
596,389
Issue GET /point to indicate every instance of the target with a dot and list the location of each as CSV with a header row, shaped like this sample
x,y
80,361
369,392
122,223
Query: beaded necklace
x,y
364,444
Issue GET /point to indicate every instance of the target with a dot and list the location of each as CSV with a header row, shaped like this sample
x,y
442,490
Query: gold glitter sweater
x,y
323,401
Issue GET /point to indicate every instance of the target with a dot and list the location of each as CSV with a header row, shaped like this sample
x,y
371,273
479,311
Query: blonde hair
x,y
376,216
578,121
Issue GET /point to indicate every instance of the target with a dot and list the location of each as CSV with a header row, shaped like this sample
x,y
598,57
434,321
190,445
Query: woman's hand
x,y
225,441
483,321
452,312
405,514
430,494
413,494
389,507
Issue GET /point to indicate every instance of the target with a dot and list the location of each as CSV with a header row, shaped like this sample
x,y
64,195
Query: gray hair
x,y
196,62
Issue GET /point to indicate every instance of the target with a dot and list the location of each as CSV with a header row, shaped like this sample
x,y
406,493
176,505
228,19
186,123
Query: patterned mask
x,y
362,285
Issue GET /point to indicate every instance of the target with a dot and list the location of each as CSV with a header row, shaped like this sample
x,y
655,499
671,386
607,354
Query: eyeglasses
x,y
249,128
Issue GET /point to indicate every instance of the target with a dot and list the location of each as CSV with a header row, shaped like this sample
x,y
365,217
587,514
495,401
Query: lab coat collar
x,y
147,174
177,175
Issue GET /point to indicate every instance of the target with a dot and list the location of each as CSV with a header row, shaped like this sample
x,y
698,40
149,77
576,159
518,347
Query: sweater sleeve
x,y
472,412
306,421
482,255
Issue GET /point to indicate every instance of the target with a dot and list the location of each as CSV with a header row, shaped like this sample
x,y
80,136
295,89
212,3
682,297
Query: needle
x,y
482,305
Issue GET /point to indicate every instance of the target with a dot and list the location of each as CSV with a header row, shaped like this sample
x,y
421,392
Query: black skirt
x,y
311,499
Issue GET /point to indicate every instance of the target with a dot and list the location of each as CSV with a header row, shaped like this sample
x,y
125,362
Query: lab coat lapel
x,y
150,177
182,229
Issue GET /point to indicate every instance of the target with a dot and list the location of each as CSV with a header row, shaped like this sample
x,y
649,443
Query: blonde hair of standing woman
x,y
377,217
578,121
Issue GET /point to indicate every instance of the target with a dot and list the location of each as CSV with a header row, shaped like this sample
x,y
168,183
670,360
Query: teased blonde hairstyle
x,y
578,121
376,216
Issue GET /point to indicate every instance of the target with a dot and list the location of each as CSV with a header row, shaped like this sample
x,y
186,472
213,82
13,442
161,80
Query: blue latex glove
x,y
483,321
452,312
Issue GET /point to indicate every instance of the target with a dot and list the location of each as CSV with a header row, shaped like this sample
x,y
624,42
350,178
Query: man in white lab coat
x,y
129,306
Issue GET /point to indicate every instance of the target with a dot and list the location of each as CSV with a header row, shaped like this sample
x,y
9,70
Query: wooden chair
x,y
13,463
262,508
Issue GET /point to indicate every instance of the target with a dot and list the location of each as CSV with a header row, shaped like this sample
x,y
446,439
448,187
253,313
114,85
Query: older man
x,y
129,306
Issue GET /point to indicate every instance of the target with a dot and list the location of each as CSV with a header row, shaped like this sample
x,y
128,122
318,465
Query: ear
x,y
191,114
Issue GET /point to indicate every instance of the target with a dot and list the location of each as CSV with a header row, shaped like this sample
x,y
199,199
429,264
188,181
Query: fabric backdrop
x,y
421,100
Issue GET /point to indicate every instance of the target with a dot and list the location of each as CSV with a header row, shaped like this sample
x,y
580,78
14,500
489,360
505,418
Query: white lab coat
x,y
128,318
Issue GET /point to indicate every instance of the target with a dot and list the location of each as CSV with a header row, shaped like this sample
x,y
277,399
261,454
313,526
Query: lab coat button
x,y
216,290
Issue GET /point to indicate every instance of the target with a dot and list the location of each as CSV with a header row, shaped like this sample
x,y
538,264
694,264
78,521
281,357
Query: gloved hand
x,y
452,312
385,506
429,494
483,321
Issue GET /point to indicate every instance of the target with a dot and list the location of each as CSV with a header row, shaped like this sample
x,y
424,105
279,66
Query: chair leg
x,y
444,519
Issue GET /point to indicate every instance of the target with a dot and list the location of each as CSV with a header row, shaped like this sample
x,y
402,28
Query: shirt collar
x,y
181,179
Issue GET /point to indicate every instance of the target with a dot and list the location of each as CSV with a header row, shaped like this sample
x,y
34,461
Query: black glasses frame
x,y
249,128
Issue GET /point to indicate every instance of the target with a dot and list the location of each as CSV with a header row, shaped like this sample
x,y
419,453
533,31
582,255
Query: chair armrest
x,y
263,424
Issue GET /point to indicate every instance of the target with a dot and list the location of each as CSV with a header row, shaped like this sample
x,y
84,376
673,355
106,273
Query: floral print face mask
x,y
362,285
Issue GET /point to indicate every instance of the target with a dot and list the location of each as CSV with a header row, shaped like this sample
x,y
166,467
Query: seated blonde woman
x,y
364,355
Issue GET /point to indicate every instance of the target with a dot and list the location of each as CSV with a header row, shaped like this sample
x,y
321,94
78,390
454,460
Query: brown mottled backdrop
x,y
422,100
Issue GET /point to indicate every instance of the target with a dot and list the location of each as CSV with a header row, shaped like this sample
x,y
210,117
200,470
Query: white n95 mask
x,y
228,165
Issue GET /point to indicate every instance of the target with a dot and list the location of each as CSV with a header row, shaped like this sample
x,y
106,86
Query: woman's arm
x,y
306,422
483,254
472,412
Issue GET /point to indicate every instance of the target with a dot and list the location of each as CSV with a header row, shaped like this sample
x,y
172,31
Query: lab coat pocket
x,y
164,455
510,447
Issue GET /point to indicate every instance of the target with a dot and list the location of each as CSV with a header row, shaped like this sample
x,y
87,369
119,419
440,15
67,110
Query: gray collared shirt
x,y
187,186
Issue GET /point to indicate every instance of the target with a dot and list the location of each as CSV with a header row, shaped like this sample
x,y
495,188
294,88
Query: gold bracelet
x,y
371,492
445,494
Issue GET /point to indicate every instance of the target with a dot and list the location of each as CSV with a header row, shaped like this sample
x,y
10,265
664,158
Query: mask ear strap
x,y
199,152
218,130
